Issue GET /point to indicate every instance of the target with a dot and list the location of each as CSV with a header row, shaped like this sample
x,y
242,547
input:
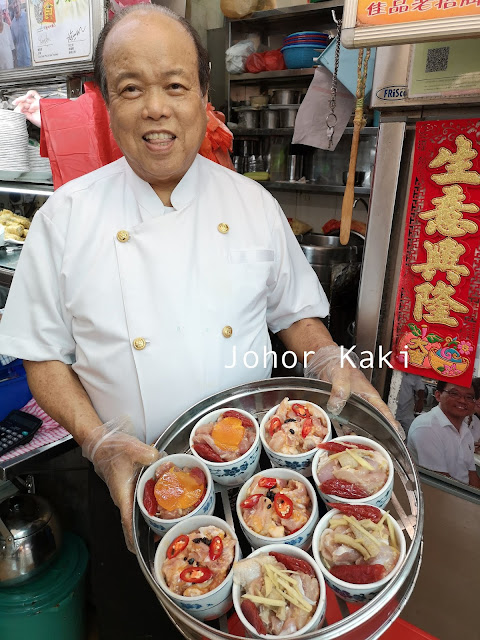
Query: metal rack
x,y
369,622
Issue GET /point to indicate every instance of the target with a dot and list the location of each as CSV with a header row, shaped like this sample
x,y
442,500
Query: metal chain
x,y
331,118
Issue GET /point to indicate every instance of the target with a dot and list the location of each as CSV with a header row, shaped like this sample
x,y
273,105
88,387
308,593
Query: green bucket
x,y
52,604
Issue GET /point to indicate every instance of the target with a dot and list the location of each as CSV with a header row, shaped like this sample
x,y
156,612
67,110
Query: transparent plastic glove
x,y
326,364
29,104
118,457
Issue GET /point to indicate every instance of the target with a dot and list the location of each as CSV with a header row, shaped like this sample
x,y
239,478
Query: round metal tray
x,y
406,505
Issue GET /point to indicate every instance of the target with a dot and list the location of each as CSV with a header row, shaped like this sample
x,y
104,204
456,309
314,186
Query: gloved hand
x,y
117,457
29,104
326,364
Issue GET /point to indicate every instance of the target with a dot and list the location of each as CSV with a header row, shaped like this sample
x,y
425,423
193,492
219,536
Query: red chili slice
x,y
307,427
275,423
359,511
267,483
300,410
334,447
343,489
179,544
216,548
251,501
149,500
196,575
283,505
246,422
359,573
293,564
250,612
206,452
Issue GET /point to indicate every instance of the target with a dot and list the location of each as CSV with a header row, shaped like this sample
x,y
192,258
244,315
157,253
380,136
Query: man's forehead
x,y
136,21
451,387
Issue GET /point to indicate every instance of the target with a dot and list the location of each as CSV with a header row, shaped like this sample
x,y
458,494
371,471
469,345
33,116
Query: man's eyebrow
x,y
136,74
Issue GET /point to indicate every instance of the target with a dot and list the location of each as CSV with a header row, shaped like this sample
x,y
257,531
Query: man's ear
x,y
437,395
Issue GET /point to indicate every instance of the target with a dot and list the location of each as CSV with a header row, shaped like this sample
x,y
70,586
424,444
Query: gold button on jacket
x,y
227,332
223,227
139,344
123,236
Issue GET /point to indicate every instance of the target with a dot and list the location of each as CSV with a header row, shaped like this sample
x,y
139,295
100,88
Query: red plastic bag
x,y
255,63
75,136
274,60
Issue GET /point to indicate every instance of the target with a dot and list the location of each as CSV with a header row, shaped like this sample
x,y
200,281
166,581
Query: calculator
x,y
16,429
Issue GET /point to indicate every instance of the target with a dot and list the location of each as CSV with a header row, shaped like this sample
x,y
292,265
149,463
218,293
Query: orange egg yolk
x,y
177,489
228,433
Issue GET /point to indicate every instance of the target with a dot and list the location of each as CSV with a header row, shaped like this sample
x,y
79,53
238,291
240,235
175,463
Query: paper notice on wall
x,y
445,69
61,31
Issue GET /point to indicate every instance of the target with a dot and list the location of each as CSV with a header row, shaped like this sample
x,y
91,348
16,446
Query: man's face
x,y
157,111
16,8
456,402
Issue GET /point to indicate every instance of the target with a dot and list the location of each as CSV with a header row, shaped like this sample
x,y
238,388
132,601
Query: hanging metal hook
x,y
334,17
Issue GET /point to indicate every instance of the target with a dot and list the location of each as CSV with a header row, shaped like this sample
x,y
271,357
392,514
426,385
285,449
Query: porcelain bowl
x,y
206,507
360,593
213,604
300,462
318,617
236,472
378,499
301,538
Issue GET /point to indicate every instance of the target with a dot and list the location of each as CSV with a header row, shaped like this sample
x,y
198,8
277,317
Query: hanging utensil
x,y
358,124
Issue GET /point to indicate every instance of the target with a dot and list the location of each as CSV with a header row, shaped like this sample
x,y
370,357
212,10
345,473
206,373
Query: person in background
x,y
411,398
6,45
440,439
19,28
474,423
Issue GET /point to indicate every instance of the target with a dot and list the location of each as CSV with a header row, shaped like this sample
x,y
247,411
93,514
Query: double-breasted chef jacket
x,y
147,302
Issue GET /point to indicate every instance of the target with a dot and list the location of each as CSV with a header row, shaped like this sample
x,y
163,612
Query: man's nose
x,y
156,104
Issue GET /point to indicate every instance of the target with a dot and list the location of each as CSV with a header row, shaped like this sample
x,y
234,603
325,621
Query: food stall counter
x,y
9,257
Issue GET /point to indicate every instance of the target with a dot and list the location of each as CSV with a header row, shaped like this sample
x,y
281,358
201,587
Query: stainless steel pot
x,y
30,537
248,118
406,505
287,118
284,96
269,119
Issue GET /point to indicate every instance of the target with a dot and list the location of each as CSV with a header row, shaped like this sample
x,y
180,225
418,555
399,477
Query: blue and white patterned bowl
x,y
378,499
318,617
301,462
301,538
360,593
213,604
206,507
236,472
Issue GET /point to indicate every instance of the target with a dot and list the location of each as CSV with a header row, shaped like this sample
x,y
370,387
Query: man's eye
x,y
130,89
176,86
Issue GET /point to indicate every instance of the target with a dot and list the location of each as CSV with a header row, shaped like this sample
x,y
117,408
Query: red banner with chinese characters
x,y
436,320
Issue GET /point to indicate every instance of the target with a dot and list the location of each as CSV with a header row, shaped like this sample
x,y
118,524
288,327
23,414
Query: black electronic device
x,y
17,428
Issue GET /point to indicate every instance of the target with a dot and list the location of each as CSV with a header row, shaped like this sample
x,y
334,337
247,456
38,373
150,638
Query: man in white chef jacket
x,y
141,280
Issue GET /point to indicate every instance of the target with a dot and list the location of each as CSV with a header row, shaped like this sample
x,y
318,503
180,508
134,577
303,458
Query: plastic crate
x,y
14,390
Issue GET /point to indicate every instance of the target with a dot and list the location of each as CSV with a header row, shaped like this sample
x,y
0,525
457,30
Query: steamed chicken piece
x,y
347,541
370,476
296,433
197,554
264,578
229,437
263,518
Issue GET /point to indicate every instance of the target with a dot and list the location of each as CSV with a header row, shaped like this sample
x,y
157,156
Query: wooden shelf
x,y
272,75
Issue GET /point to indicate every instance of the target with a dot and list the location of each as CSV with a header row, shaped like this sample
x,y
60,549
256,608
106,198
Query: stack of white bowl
x,y
39,167
13,144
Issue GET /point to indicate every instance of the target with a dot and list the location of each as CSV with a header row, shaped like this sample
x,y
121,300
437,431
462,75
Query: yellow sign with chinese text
x,y
389,12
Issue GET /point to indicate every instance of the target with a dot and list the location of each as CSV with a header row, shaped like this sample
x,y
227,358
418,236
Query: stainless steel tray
x,y
369,622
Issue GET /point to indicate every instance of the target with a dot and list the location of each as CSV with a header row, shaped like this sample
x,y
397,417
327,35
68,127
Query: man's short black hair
x,y
441,385
98,63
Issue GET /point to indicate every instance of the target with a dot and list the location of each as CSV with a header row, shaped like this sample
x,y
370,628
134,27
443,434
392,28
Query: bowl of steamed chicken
x,y
291,433
278,505
353,468
358,548
227,441
193,565
278,591
172,488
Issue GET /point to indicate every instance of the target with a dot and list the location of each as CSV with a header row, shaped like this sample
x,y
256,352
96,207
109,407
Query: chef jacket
x,y
146,302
